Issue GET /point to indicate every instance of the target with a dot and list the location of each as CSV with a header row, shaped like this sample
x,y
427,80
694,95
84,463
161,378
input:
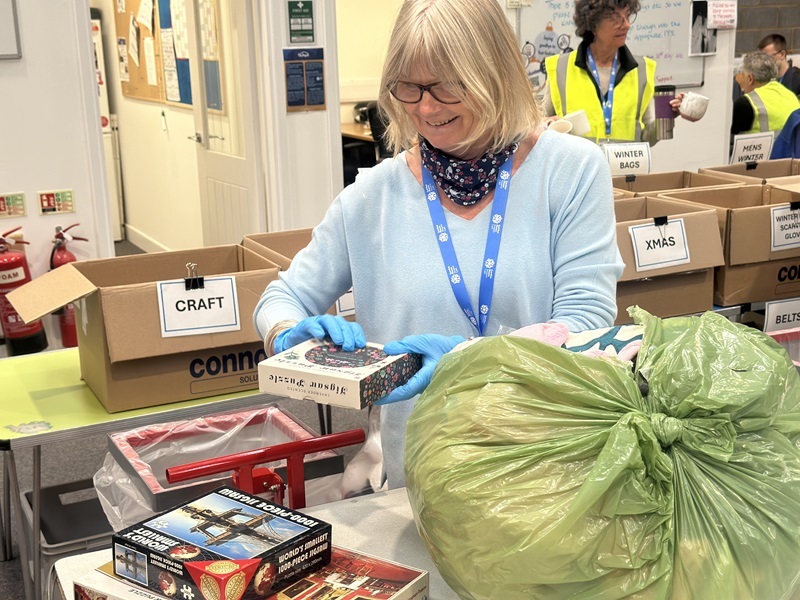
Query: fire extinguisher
x,y
21,338
61,256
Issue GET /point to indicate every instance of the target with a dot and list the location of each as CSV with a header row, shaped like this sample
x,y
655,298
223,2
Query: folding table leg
x,y
24,554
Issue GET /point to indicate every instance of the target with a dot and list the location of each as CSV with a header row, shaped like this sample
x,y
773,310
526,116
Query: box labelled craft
x,y
125,358
226,545
323,372
652,184
670,249
760,229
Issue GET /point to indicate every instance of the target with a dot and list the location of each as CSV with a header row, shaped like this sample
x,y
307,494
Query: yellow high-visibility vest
x,y
772,104
572,88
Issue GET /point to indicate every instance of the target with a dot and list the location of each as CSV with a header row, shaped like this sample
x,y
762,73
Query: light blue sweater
x,y
558,259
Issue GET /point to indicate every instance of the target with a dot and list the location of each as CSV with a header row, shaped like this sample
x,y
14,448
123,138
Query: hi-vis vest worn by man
x,y
572,88
772,104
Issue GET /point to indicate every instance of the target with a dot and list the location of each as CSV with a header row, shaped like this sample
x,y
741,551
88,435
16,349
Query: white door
x,y
224,101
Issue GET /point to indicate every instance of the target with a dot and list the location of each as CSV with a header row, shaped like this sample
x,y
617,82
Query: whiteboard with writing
x,y
661,32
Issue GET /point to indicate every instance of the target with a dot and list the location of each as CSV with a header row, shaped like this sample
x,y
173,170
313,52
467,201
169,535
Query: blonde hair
x,y
468,43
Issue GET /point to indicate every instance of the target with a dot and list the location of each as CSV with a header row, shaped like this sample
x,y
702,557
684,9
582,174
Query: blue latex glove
x,y
339,330
432,347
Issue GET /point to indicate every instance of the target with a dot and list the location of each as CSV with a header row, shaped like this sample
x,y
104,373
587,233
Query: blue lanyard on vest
x,y
608,101
492,245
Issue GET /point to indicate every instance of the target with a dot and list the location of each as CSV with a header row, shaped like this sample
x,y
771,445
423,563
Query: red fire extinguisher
x,y
21,338
61,256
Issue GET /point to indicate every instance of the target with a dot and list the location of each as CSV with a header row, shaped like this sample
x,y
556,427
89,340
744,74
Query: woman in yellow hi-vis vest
x,y
603,78
766,104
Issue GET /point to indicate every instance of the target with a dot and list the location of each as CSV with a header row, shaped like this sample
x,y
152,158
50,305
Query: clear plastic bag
x,y
131,485
534,472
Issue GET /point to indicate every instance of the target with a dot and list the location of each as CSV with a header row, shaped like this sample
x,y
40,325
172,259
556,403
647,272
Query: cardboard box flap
x,y
702,236
280,247
133,326
50,292
757,172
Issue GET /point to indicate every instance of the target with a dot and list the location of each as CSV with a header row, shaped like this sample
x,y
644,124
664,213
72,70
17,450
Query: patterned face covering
x,y
465,181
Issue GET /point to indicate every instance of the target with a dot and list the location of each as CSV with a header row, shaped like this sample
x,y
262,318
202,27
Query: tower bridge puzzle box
x,y
323,372
225,545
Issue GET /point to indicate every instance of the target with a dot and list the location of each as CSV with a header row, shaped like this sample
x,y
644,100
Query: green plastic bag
x,y
535,472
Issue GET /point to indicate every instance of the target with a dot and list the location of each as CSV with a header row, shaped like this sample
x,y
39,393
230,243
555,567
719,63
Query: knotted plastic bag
x,y
534,472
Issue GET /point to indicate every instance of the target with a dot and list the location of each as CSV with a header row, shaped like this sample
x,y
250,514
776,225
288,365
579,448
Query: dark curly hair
x,y
589,13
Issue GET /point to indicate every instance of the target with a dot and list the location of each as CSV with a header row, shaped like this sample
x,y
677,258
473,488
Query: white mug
x,y
580,122
560,125
693,106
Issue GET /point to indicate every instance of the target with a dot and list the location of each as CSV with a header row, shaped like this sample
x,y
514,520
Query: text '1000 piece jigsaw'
x,y
225,545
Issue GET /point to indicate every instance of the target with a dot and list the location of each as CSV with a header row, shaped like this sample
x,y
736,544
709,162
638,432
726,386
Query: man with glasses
x,y
775,45
603,78
766,104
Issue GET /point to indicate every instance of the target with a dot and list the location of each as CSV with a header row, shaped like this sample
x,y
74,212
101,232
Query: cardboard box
x,y
225,545
354,575
752,272
124,358
102,584
671,290
791,183
756,173
281,247
653,184
323,372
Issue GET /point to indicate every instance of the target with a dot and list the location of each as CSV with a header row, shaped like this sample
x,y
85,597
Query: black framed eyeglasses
x,y
411,93
618,19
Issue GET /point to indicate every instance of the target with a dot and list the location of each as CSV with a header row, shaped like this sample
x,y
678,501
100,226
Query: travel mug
x,y
665,117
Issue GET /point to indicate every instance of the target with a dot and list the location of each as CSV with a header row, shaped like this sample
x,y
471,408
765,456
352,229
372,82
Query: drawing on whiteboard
x,y
547,43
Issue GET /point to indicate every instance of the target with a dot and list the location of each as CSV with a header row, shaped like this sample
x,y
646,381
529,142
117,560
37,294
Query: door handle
x,y
195,138
216,137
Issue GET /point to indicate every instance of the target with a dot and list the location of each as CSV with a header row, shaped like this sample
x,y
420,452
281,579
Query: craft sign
x,y
658,245
782,314
752,147
628,159
785,227
211,309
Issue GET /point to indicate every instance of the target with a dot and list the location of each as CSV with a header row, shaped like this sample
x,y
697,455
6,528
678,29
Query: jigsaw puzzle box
x,y
225,545
323,372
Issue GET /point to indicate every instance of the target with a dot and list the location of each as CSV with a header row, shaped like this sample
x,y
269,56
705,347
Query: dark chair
x,y
377,125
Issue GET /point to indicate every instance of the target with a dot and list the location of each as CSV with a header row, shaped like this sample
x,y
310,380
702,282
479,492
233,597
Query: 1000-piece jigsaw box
x,y
225,545
124,358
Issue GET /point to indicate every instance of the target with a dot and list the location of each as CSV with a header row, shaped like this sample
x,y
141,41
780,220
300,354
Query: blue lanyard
x,y
492,245
608,101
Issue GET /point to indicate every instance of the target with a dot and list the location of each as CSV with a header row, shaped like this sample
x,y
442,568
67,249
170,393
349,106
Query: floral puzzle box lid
x,y
323,372
225,545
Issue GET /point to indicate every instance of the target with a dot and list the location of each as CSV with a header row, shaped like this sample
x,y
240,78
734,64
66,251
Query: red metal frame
x,y
258,480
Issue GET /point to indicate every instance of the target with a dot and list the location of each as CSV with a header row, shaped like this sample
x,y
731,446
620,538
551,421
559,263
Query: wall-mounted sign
x,y
52,203
301,22
12,205
305,79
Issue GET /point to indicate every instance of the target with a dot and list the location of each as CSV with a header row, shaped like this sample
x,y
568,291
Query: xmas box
x,y
226,545
323,372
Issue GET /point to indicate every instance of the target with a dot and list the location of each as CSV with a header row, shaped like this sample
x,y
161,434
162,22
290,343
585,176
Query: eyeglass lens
x,y
411,93
619,19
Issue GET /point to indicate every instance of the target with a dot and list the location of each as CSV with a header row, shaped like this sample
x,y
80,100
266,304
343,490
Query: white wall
x,y
159,168
50,124
363,28
302,150
704,143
